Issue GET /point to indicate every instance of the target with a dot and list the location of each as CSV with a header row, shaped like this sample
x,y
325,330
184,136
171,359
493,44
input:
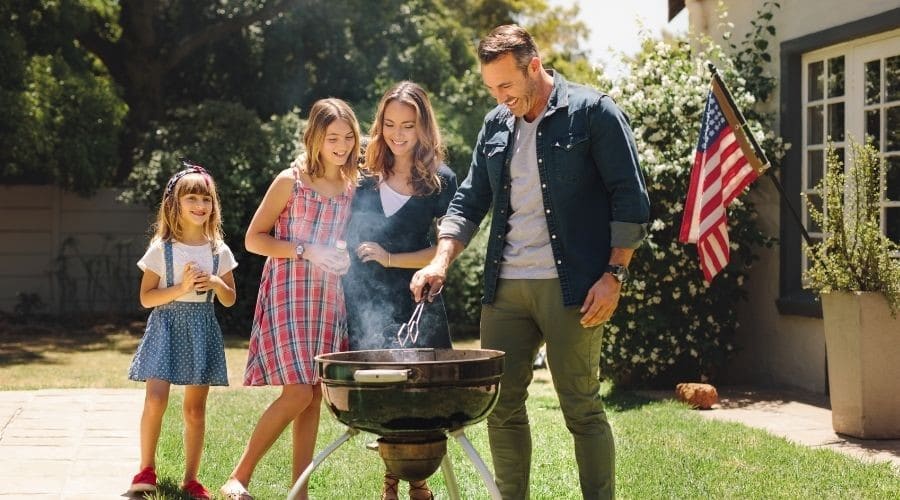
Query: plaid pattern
x,y
300,309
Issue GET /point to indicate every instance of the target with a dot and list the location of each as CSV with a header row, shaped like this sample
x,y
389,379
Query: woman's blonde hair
x,y
192,180
428,154
323,113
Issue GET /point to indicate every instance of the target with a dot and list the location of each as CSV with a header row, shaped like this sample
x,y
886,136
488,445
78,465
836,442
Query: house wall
x,y
76,254
778,349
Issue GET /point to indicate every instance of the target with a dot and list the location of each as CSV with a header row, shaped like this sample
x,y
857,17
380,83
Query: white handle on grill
x,y
381,376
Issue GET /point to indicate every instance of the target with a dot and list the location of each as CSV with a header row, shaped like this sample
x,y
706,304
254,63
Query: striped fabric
x,y
300,308
724,164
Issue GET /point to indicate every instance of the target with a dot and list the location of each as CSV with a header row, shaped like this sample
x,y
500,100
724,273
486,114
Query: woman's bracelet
x,y
389,259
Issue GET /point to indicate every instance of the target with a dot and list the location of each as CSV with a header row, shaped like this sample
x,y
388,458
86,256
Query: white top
x,y
155,260
527,254
391,201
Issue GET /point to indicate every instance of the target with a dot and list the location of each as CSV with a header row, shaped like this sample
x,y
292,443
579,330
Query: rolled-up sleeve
x,y
626,234
616,157
456,227
472,200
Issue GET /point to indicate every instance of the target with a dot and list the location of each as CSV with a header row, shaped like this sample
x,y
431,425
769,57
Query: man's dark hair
x,y
508,39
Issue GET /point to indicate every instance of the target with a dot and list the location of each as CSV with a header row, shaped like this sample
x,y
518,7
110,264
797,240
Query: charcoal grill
x,y
413,399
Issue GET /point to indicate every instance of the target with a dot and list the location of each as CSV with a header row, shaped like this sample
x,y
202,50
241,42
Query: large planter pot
x,y
863,346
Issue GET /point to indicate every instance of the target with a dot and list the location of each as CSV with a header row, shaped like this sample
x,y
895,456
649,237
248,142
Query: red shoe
x,y
144,481
195,490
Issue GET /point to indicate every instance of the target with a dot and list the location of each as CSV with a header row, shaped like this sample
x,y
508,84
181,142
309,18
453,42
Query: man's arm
x,y
603,298
435,274
615,154
468,207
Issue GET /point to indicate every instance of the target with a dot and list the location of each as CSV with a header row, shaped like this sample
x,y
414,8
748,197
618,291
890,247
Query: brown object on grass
x,y
699,396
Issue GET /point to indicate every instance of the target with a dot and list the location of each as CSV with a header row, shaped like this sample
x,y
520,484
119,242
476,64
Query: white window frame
x,y
856,53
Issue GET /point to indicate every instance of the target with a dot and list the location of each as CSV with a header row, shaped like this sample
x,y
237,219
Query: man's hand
x,y
432,275
601,301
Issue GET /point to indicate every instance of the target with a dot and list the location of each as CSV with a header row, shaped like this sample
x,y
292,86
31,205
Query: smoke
x,y
375,305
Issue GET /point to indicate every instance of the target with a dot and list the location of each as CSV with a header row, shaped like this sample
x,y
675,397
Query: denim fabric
x,y
594,193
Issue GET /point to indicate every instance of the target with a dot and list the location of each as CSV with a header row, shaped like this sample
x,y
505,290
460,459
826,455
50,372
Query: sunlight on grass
x,y
663,449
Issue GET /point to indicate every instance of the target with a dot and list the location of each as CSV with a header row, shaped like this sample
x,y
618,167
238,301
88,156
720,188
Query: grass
x,y
664,450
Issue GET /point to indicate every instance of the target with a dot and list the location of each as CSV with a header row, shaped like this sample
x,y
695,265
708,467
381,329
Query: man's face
x,y
510,86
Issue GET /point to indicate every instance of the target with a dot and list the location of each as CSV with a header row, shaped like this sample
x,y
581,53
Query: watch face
x,y
619,272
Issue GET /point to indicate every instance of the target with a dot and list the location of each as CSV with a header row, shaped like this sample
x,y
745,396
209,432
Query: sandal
x,y
419,490
234,490
389,489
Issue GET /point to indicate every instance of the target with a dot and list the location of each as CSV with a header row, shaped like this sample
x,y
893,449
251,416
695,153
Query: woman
x,y
406,187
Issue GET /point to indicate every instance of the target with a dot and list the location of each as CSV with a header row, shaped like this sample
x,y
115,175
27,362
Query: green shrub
x,y
854,255
671,326
62,129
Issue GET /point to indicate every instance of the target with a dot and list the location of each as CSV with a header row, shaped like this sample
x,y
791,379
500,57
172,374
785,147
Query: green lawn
x,y
664,450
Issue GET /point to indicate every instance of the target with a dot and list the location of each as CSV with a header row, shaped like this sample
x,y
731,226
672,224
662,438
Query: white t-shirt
x,y
391,201
155,260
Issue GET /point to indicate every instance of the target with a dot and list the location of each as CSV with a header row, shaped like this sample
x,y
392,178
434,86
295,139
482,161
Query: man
x,y
558,164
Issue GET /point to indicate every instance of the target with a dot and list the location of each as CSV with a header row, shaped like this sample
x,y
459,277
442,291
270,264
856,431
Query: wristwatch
x,y
619,272
299,250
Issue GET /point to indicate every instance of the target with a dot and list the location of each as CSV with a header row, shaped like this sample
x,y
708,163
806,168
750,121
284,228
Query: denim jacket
x,y
594,193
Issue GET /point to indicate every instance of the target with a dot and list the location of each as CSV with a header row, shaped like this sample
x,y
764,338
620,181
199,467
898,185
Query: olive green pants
x,y
525,314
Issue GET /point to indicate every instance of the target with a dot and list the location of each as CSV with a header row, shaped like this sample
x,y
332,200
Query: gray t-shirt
x,y
527,254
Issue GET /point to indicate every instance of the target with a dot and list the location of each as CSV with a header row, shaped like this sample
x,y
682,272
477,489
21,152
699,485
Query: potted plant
x,y
856,270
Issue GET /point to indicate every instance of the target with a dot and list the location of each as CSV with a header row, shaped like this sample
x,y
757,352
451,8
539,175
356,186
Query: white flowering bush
x,y
671,326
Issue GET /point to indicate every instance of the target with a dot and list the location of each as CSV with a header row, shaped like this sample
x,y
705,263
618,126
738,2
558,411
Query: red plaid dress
x,y
300,309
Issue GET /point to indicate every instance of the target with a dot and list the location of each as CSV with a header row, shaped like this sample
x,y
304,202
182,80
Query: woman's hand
x,y
368,251
327,258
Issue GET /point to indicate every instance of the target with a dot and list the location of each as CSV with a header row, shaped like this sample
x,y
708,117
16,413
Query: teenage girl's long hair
x,y
168,218
428,154
323,113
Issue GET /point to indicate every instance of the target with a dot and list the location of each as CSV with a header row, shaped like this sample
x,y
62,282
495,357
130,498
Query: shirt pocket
x,y
496,145
495,149
571,156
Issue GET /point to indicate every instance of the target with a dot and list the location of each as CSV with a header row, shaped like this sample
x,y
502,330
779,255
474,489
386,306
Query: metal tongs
x,y
410,330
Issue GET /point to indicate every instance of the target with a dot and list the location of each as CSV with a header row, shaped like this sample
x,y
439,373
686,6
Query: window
x,y
853,91
881,120
837,84
824,102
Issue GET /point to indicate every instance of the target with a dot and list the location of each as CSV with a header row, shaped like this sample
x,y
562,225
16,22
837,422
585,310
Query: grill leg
x,y
317,461
450,478
479,464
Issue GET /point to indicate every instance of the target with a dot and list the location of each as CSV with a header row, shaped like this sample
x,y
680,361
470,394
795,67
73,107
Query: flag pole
x,y
759,152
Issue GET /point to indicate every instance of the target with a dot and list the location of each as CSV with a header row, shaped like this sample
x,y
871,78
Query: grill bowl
x,y
411,393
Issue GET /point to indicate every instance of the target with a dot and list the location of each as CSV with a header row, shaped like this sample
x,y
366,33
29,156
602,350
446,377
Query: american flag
x,y
724,164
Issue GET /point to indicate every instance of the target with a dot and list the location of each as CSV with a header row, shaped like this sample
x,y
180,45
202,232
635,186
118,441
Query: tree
x,y
61,117
142,42
150,57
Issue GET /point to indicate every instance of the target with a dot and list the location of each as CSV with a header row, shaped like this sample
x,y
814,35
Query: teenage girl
x,y
186,267
300,309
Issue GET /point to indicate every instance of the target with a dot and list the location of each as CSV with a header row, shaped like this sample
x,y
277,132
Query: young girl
x,y
185,267
300,310
407,188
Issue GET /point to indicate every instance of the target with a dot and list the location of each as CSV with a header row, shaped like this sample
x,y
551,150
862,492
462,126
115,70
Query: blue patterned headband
x,y
189,168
